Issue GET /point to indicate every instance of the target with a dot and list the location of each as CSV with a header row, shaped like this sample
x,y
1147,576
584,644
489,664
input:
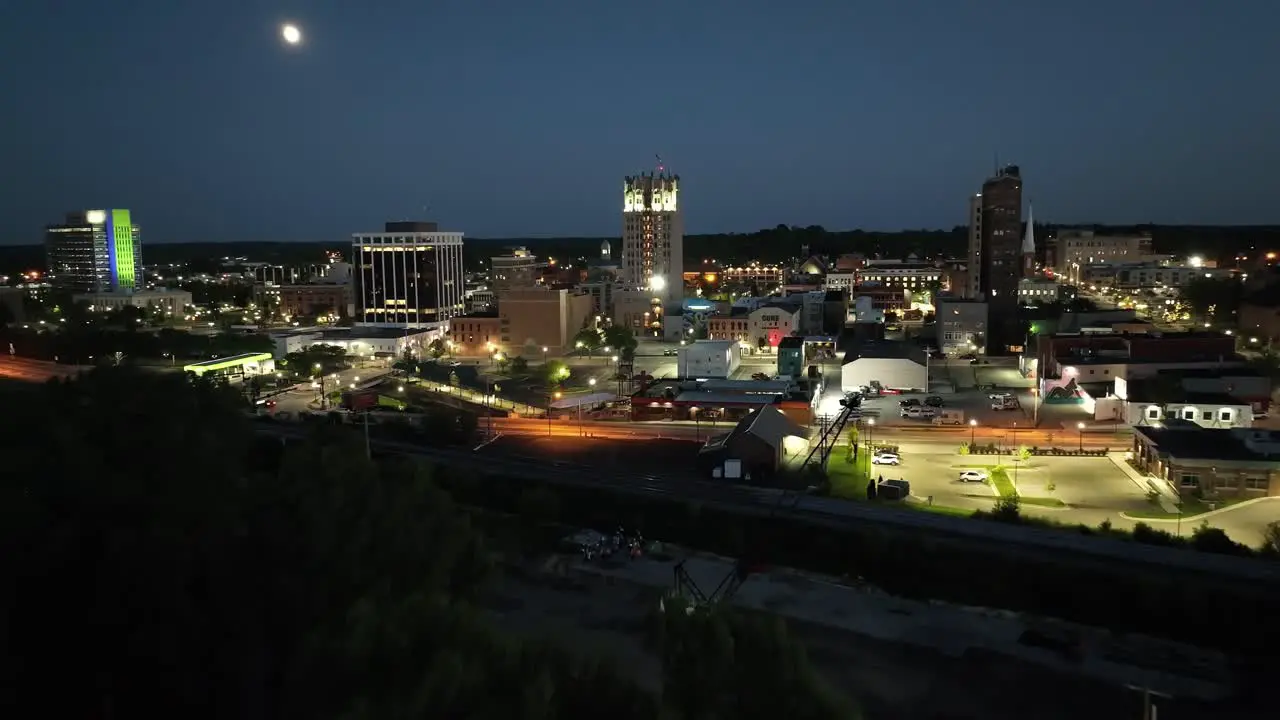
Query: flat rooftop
x,y
231,360
717,399
1200,357
1188,441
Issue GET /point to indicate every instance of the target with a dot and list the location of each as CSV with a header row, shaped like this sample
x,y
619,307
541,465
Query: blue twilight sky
x,y
507,118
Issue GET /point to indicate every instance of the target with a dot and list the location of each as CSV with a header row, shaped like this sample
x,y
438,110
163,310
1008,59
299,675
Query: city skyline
x,y
855,118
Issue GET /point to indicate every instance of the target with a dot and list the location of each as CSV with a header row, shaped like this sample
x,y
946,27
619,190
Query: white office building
x,y
409,276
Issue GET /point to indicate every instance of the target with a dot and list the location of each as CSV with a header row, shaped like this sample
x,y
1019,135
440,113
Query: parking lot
x,y
973,403
1091,489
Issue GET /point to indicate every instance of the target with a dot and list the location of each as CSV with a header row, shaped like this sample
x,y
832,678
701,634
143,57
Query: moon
x,y
291,34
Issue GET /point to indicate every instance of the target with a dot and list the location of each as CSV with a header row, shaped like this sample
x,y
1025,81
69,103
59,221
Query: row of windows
x,y
1153,413
1251,482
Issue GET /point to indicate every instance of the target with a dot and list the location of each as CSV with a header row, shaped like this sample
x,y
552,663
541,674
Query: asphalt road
x,y
36,371
817,511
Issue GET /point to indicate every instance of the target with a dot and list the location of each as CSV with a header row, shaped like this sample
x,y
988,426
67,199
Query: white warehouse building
x,y
706,359
893,365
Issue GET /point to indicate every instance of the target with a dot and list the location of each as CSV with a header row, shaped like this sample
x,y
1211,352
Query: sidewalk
x,y
1167,497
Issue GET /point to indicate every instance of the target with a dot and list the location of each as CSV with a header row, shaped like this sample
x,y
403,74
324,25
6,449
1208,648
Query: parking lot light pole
x,y
550,397
973,425
1080,435
591,384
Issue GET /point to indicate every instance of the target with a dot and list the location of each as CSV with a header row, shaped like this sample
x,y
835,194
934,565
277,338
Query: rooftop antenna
x,y
661,167
995,158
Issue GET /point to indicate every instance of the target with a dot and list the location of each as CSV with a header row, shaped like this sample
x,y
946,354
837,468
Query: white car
x,y
885,459
979,476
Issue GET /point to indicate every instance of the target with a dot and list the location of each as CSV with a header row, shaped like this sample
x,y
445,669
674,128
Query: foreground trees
x,y
159,562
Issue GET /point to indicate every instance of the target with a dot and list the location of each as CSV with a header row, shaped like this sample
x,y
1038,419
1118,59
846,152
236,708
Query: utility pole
x,y
1149,709
368,449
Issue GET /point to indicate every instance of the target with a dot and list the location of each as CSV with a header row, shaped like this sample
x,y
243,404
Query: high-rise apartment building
x,y
409,276
95,251
1001,236
973,279
995,254
653,237
518,269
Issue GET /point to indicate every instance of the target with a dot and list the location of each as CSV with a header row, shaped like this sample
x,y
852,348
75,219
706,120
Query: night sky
x,y
509,119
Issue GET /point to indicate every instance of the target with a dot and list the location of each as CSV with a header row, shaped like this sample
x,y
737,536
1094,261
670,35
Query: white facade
x,y
653,235
366,344
408,278
709,359
1154,276
1036,291
862,310
961,327
170,301
771,323
913,277
1209,415
1077,248
894,373
841,281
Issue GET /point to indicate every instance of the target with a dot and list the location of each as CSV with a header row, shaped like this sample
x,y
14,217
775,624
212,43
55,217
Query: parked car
x,y
759,376
917,412
933,401
909,402
670,351
949,417
886,458
978,476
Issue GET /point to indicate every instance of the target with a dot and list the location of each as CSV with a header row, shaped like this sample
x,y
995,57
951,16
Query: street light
x,y
591,383
544,354
973,425
556,396
1080,434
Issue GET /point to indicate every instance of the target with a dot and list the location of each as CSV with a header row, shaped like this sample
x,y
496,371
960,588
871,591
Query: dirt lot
x,y
886,679
670,458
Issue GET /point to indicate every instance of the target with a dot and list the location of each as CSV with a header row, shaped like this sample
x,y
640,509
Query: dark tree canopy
x,y
160,561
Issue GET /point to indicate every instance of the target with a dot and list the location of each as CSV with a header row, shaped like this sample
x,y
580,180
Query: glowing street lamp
x,y
973,424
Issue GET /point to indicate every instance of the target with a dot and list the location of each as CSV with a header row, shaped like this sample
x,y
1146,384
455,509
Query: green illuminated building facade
x,y
95,251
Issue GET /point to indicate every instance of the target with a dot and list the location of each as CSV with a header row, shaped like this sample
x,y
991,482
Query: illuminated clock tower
x,y
653,235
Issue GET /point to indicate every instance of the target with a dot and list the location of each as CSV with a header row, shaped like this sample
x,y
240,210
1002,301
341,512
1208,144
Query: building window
x,y
1207,416
1190,481
1256,482
1224,415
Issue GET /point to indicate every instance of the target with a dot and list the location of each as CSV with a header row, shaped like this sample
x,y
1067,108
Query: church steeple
x,y
1029,245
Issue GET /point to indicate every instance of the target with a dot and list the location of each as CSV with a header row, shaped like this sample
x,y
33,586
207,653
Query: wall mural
x,y
1064,391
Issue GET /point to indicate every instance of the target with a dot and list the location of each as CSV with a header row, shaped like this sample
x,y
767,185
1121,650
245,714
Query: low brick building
x,y
1208,462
